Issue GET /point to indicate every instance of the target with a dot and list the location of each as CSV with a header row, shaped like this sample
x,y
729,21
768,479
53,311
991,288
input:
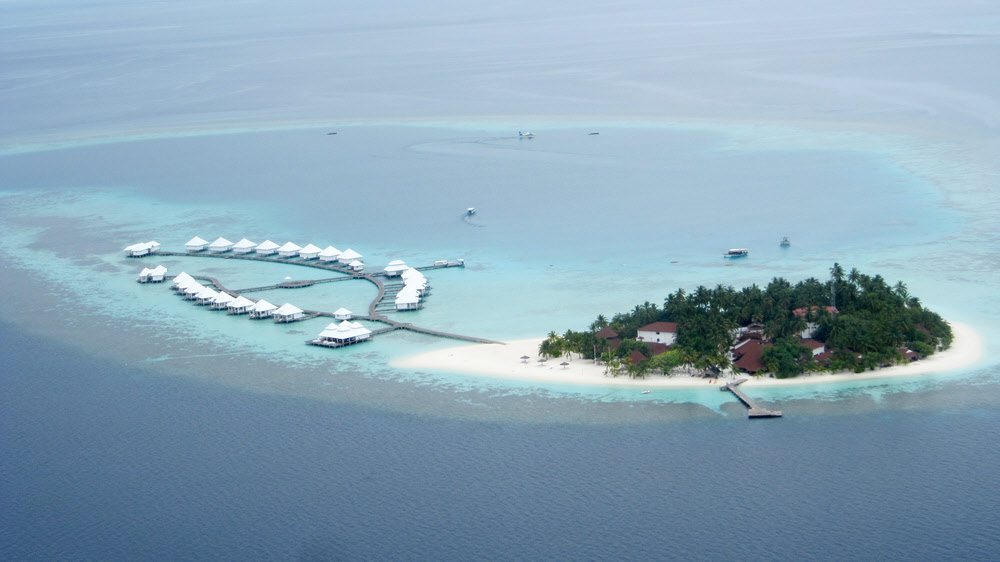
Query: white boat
x,y
736,253
785,241
525,134
645,392
470,211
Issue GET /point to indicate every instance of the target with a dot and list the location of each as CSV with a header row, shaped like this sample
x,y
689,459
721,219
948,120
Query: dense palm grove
x,y
862,319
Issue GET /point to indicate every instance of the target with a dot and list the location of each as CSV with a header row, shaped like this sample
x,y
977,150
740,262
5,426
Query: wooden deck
x,y
753,410
375,308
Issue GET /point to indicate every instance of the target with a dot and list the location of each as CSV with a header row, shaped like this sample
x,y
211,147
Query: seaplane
x,y
525,134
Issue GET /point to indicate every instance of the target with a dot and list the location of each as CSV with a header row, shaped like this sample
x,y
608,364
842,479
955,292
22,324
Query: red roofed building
x,y
747,355
658,332
817,347
636,357
610,336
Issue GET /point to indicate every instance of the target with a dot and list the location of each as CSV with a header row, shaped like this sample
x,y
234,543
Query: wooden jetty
x,y
753,410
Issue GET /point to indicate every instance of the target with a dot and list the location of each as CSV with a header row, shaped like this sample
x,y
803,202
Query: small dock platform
x,y
753,410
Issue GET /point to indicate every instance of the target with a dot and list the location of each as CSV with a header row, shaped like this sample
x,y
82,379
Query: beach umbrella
x,y
541,361
564,364
524,358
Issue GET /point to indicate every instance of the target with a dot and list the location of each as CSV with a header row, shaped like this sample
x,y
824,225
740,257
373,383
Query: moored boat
x,y
785,241
736,253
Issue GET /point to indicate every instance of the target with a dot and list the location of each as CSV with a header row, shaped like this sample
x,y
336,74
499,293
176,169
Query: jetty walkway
x,y
374,315
753,410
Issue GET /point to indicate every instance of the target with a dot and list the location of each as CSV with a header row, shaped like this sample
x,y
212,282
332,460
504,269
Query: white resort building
x,y
244,246
348,255
356,266
154,275
288,313
658,332
329,254
266,248
239,305
191,290
309,252
180,280
206,296
342,314
408,298
220,245
262,309
345,333
289,250
395,268
222,301
141,249
196,244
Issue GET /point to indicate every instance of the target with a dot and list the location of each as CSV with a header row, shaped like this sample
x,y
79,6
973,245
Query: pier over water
x,y
753,410
375,278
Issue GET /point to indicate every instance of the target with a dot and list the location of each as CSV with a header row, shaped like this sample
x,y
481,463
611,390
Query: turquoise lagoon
x,y
570,225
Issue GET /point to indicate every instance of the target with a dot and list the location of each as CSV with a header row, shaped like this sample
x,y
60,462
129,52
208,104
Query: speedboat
x,y
470,211
736,253
526,134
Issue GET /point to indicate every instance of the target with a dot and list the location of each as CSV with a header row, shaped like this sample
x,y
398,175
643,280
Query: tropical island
x,y
853,322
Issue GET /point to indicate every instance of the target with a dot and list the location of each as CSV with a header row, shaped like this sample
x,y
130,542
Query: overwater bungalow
x,y
345,333
407,299
266,248
154,275
196,244
239,305
220,245
141,249
329,254
185,285
206,296
349,255
288,313
309,252
356,266
395,268
244,246
289,250
180,279
191,291
262,309
222,301
342,314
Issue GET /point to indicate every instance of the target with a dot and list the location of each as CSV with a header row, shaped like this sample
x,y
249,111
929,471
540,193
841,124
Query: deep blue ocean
x,y
105,462
134,425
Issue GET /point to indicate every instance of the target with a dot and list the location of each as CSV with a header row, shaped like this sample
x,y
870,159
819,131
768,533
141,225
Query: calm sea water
x,y
134,425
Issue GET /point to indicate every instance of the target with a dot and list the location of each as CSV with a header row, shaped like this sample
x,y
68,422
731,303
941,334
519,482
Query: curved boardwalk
x,y
375,278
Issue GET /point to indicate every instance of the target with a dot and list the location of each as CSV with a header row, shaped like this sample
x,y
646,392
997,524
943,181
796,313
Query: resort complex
x,y
400,287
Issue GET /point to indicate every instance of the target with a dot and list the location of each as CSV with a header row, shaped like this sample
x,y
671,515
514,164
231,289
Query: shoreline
x,y
504,362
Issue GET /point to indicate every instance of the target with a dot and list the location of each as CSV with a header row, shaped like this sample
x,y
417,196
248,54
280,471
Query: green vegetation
x,y
861,319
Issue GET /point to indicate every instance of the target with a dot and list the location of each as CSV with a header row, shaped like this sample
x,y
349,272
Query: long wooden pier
x,y
374,315
753,410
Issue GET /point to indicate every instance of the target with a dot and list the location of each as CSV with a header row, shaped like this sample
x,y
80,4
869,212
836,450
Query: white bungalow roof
x,y
224,298
310,249
244,243
207,293
221,242
158,270
194,288
349,254
355,263
145,271
263,306
288,310
267,245
196,241
345,330
330,251
187,284
289,247
182,277
133,247
396,265
342,311
396,262
240,302
412,274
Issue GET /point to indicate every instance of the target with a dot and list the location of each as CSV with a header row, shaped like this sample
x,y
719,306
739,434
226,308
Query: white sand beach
x,y
504,361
